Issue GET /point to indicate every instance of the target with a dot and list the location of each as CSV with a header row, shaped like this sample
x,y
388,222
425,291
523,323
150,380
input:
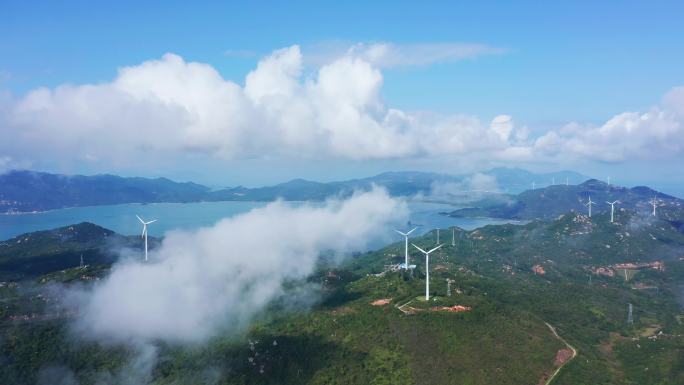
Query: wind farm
x,y
238,193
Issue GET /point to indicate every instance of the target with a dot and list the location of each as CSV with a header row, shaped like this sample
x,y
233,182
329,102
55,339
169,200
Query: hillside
x,y
33,254
27,191
552,201
511,279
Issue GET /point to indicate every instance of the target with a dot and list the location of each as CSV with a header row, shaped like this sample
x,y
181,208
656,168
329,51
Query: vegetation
x,y
555,200
501,339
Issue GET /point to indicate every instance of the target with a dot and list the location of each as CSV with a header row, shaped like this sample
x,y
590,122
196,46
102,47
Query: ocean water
x,y
189,216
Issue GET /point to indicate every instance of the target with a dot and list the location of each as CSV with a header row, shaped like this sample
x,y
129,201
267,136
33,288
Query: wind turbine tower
x,y
82,265
654,203
438,236
630,317
144,232
612,209
567,181
406,235
453,237
533,185
588,204
553,181
427,269
608,180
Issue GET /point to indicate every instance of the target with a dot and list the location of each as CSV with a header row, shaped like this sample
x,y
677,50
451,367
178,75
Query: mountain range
x,y
29,191
552,201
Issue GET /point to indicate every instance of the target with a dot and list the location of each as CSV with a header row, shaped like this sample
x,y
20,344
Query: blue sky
x,y
582,61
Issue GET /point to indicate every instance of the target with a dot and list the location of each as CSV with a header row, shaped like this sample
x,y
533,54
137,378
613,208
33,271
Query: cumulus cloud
x,y
219,277
658,132
168,107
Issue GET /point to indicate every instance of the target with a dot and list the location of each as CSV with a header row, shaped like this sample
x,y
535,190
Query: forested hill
x,y
555,200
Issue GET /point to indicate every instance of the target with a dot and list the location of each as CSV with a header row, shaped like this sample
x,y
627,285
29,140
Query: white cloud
x,y
389,55
219,277
653,134
166,108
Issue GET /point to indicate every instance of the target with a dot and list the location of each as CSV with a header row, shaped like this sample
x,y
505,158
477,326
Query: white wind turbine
x,y
612,209
588,204
406,235
427,269
654,203
144,232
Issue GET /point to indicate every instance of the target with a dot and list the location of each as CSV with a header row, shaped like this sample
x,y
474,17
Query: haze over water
x,y
189,216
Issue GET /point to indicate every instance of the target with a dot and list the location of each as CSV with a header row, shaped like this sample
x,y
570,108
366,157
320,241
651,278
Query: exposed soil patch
x,y
454,309
381,302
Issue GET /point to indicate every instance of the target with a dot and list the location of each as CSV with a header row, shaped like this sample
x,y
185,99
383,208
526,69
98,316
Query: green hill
x,y
555,200
345,339
33,254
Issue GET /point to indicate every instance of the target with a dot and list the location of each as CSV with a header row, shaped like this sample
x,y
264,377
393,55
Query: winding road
x,y
574,352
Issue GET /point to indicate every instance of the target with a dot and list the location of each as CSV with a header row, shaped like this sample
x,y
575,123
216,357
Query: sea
x,y
190,216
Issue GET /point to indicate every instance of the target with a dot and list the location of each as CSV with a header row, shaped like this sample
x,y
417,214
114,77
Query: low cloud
x,y
473,188
216,279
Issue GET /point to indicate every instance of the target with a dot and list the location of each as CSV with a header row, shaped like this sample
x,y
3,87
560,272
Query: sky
x,y
253,93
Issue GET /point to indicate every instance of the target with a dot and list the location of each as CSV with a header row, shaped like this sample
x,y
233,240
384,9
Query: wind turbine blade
x,y
423,251
401,233
140,219
144,230
412,230
151,222
435,248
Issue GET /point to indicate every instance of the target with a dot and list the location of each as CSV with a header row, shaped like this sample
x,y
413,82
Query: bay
x,y
189,216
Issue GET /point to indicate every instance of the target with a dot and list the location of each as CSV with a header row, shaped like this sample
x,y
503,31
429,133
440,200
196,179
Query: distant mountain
x,y
27,191
515,180
552,201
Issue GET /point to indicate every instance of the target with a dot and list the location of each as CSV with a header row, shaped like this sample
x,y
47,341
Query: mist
x,y
216,279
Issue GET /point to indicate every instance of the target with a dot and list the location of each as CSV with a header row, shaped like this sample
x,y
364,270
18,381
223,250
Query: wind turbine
x,y
427,269
144,232
654,202
588,204
612,209
406,235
